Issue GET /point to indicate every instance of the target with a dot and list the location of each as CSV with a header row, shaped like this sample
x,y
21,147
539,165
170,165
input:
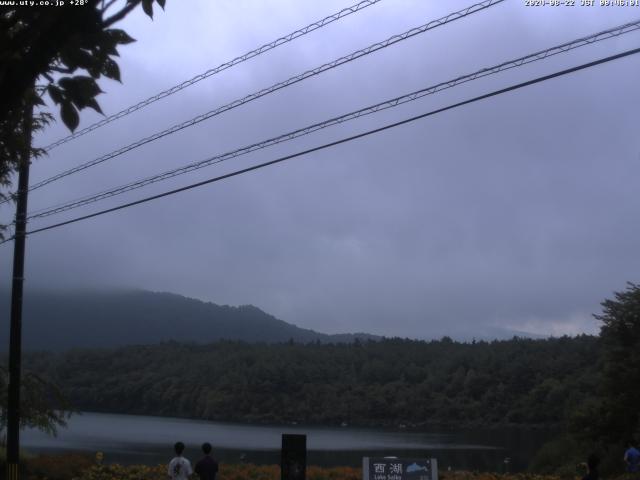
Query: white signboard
x,y
387,468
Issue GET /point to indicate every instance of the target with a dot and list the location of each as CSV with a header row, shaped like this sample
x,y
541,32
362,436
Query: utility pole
x,y
15,333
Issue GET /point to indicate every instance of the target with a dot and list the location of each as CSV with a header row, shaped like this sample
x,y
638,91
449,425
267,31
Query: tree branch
x,y
107,6
121,14
61,70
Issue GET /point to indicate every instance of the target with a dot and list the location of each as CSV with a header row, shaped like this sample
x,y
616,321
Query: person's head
x,y
206,448
592,462
178,448
631,443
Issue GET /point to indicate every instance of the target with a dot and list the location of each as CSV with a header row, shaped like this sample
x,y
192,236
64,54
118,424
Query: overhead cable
x,y
540,55
343,140
224,66
278,86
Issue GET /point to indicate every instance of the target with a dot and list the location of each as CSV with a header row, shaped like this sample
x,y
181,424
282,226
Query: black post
x,y
15,335
293,463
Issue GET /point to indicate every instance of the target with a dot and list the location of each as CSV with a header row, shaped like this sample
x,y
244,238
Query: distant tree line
x,y
391,382
586,386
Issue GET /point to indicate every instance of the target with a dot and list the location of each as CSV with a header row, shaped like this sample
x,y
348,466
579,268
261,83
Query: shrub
x,y
58,467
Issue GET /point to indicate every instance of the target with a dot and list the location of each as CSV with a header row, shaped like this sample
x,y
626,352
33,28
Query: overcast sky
x,y
518,212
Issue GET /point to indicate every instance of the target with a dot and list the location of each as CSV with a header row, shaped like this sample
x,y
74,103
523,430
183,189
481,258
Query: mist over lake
x,y
135,439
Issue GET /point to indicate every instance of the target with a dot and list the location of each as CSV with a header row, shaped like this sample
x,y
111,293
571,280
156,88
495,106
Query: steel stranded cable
x,y
344,140
394,102
275,87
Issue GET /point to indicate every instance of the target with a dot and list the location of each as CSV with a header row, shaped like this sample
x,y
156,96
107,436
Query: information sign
x,y
391,468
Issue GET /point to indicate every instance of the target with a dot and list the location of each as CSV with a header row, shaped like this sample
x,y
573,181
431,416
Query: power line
x,y
278,86
345,140
540,55
224,66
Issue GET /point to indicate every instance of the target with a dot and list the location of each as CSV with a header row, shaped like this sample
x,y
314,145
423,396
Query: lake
x,y
143,439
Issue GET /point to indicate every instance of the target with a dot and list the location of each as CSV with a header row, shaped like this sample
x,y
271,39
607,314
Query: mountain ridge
x,y
61,320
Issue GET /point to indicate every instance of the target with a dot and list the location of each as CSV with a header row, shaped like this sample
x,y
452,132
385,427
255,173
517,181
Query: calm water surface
x,y
142,439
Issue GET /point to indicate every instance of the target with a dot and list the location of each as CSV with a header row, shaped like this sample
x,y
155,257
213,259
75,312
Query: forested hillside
x,y
391,382
109,319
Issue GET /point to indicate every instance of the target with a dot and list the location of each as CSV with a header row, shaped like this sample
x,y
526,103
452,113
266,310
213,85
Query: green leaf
x,y
56,94
79,87
69,115
108,43
94,71
110,69
92,103
81,90
161,3
147,6
77,58
120,36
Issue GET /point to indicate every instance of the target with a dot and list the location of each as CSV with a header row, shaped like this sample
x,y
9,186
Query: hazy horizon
x,y
64,292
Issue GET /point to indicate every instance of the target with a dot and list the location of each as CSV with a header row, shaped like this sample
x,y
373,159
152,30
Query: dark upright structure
x,y
293,464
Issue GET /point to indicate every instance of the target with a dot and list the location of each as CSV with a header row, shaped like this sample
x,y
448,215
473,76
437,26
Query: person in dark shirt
x,y
207,467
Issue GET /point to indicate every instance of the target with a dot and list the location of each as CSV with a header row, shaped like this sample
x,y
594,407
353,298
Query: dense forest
x,y
391,382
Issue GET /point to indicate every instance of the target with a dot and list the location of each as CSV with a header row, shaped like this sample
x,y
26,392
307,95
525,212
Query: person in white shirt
x,y
179,467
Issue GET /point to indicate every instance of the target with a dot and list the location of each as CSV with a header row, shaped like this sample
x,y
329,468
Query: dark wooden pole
x,y
15,334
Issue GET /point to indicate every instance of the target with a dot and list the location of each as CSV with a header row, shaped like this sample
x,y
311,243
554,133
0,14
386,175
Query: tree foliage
x,y
607,416
59,52
388,383
620,334
42,404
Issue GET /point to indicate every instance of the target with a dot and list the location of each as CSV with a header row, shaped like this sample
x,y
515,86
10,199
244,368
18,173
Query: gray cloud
x,y
518,211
